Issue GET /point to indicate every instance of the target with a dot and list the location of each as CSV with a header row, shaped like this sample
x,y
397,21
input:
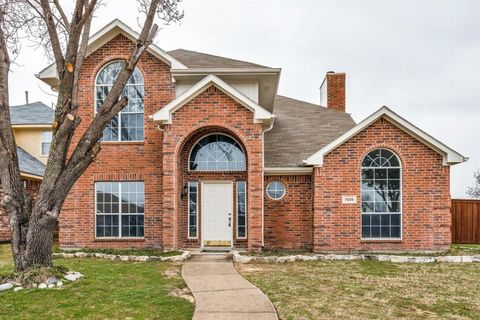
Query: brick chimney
x,y
332,91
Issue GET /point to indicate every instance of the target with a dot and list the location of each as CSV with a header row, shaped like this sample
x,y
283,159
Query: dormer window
x,y
128,124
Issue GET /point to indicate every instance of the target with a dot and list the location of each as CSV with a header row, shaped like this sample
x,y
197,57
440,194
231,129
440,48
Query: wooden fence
x,y
465,221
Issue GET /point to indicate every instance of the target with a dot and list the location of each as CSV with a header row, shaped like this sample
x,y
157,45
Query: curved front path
x,y
221,293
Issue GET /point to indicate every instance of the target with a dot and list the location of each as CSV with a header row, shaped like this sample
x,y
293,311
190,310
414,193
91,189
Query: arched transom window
x,y
381,195
217,152
127,125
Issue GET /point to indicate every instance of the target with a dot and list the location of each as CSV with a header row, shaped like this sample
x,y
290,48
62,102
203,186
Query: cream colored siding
x,y
30,139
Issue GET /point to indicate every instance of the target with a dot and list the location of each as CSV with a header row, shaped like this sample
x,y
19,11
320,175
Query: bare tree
x,y
474,191
32,222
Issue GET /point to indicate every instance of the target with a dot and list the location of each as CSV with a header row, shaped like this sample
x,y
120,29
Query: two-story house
x,y
207,154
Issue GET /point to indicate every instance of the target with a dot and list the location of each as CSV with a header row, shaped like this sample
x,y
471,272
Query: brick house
x,y
207,154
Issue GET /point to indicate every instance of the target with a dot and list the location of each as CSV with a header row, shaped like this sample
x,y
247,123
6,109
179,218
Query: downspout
x,y
263,178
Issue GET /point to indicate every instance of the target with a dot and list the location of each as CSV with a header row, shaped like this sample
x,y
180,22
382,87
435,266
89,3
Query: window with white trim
x,y
276,190
241,209
120,209
217,152
193,209
381,195
46,142
128,124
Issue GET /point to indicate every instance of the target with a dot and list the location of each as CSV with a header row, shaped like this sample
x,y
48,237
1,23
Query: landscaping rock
x,y
449,259
59,284
80,254
42,286
124,258
400,259
71,277
467,259
6,286
100,255
16,289
50,286
52,280
475,258
142,258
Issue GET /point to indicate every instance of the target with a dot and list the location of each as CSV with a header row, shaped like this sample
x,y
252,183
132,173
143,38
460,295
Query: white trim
x,y
164,115
119,114
104,35
400,167
287,171
284,190
209,171
225,71
450,156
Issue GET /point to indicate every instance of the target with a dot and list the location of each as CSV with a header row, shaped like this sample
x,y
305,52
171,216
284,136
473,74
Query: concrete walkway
x,y
221,293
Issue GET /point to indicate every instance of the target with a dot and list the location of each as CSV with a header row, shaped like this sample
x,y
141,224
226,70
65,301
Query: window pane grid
x,y
241,209
128,124
192,209
381,195
276,190
120,209
217,153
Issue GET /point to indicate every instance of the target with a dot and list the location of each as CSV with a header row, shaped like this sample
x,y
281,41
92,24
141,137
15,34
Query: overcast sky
x,y
421,58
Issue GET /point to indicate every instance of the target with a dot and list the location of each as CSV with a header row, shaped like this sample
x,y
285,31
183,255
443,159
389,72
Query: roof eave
x,y
164,115
450,156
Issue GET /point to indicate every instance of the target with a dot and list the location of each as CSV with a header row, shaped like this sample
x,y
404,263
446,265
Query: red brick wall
x,y
211,109
288,221
119,161
32,188
425,196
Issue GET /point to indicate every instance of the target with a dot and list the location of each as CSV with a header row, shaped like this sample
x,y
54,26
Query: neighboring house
x,y
207,154
32,127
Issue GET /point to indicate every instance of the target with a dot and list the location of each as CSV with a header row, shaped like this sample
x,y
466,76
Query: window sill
x,y
119,239
382,240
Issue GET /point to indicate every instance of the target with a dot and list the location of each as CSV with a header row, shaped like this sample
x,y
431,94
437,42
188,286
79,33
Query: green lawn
x,y
109,290
369,289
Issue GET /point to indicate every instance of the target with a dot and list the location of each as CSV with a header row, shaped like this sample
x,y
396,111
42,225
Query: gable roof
x,y
164,115
35,113
450,156
104,35
29,164
194,59
300,129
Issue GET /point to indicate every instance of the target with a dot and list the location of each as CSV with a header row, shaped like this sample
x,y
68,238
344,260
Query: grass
x,y
369,289
109,290
125,252
455,250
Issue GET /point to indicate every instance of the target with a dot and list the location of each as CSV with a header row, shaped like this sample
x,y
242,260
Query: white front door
x,y
217,210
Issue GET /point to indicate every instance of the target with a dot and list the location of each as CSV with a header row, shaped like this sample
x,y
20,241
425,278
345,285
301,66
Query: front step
x,y
215,250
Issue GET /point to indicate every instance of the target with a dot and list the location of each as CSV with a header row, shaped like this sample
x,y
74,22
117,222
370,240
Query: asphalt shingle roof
x,y
29,164
193,59
31,114
301,129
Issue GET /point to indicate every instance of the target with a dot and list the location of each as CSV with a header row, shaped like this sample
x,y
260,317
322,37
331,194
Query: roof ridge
x,y
182,50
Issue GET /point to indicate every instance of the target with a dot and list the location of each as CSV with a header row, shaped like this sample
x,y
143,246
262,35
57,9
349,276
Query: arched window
x,y
127,125
217,152
381,195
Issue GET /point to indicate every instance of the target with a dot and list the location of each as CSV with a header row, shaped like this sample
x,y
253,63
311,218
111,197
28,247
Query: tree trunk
x,y
39,240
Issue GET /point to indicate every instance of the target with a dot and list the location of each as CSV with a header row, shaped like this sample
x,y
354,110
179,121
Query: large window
x,y
217,152
46,142
193,209
241,209
127,125
381,195
119,209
